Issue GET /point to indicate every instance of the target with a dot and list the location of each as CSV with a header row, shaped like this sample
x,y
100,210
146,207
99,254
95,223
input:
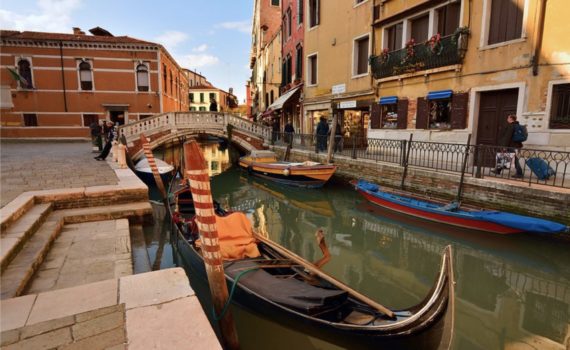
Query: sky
x,y
211,37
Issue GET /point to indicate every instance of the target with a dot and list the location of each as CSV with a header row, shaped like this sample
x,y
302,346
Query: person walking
x,y
110,137
322,132
510,145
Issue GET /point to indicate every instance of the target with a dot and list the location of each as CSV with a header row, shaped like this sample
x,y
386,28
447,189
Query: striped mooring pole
x,y
152,163
199,181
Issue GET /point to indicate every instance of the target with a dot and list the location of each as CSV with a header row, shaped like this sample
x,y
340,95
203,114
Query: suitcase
x,y
540,168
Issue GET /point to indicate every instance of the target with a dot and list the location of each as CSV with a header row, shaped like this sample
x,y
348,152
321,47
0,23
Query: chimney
x,y
78,31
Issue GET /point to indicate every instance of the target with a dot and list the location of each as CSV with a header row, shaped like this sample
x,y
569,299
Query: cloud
x,y
201,48
198,61
171,38
50,16
240,26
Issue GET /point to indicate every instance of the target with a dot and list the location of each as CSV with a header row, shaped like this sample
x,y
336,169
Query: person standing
x,y
110,137
322,132
96,136
213,105
506,141
338,138
289,131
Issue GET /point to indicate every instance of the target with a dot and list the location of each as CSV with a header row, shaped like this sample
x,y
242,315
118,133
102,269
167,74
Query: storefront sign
x,y
347,104
338,89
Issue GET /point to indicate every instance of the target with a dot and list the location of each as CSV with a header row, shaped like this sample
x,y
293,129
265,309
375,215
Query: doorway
x,y
117,117
494,107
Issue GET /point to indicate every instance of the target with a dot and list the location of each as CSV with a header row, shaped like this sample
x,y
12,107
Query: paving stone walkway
x,y
32,166
86,253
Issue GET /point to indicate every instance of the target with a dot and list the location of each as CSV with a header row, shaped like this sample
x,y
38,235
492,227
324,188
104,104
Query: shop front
x,y
354,119
313,114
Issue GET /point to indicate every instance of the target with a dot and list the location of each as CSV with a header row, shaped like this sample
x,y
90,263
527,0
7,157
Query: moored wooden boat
x,y
144,172
276,286
450,213
264,164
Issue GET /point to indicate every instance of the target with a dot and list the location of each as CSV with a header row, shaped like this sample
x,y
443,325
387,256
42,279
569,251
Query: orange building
x,y
55,85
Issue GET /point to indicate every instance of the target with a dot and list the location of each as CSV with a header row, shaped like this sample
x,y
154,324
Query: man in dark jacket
x,y
213,105
506,141
110,137
322,132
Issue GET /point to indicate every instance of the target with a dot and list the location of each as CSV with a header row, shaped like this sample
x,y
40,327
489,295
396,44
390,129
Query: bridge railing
x,y
192,120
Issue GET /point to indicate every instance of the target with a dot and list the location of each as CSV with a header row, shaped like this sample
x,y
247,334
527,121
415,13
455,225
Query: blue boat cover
x,y
521,222
435,95
388,100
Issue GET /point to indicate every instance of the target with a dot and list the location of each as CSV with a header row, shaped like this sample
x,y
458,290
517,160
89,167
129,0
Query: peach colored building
x,y
55,85
202,95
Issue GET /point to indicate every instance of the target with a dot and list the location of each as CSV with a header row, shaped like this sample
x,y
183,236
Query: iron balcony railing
x,y
546,167
448,50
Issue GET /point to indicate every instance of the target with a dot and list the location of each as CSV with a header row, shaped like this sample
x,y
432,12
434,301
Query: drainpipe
x,y
539,34
62,75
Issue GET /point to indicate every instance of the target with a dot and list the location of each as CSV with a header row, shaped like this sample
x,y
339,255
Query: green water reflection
x,y
511,292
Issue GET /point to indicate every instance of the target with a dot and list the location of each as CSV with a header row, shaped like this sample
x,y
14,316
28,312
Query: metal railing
x,y
447,51
546,167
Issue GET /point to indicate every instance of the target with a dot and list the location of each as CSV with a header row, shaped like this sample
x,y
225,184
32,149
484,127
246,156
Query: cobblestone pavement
x,y
32,166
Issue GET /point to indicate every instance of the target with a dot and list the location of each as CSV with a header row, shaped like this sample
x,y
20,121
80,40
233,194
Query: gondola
x,y
144,172
264,164
450,213
273,285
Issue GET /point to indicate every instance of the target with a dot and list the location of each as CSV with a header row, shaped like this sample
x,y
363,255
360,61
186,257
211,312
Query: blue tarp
x,y
388,100
524,223
436,95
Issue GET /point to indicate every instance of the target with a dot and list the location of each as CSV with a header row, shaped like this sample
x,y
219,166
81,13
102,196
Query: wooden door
x,y
494,107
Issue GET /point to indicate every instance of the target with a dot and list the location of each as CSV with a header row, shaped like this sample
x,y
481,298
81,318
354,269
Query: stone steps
x,y
17,233
18,272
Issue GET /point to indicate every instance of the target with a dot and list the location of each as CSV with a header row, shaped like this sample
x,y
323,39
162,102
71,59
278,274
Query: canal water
x,y
511,292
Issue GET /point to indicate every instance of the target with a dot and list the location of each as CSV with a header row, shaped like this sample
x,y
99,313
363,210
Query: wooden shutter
x,y
459,111
375,111
506,20
403,113
422,114
420,29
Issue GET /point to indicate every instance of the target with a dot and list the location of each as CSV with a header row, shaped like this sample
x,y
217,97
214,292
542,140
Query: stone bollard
x,y
122,158
114,150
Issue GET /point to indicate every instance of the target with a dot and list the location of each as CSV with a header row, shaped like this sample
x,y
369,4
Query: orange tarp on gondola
x,y
236,237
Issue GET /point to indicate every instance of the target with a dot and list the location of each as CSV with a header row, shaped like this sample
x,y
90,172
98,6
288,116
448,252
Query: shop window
x,y
142,77
442,110
30,120
25,72
312,70
448,19
420,28
361,56
299,12
506,20
314,13
393,37
85,76
560,108
201,97
191,97
89,119
390,113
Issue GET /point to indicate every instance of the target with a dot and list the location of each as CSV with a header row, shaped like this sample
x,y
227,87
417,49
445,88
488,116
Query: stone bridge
x,y
173,126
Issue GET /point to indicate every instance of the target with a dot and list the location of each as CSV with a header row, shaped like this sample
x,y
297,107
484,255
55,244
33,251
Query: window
x,y
439,114
201,97
299,12
314,13
89,119
266,100
361,56
393,37
420,28
356,2
560,108
85,76
142,77
275,3
164,77
25,72
30,120
191,97
144,116
446,111
448,19
312,70
171,83
299,63
390,113
212,96
193,109
288,18
506,20
202,109
271,96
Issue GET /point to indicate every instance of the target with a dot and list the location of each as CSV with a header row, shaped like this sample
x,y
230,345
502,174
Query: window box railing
x,y
434,53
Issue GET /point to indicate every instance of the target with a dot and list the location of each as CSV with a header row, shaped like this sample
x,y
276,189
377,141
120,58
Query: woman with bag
x,y
510,146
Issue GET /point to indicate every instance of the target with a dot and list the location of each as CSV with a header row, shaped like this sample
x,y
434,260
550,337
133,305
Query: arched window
x,y
25,72
142,77
85,76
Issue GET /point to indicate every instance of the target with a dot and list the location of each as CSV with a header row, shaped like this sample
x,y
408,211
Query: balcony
x,y
434,53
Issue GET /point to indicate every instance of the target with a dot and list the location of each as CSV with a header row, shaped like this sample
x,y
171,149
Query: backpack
x,y
520,134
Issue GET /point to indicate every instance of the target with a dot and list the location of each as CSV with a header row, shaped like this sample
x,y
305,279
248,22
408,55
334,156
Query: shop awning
x,y
388,100
437,95
278,104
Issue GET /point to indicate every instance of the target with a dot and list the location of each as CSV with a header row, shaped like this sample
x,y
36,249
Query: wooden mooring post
x,y
152,163
199,181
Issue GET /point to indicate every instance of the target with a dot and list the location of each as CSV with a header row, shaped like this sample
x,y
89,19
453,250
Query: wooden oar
x,y
313,269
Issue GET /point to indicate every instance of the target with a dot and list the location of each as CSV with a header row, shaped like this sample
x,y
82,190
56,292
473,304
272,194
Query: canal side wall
x,y
500,194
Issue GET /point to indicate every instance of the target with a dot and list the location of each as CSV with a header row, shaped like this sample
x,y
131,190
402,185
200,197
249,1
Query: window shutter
x,y
403,113
375,116
422,113
318,12
459,111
